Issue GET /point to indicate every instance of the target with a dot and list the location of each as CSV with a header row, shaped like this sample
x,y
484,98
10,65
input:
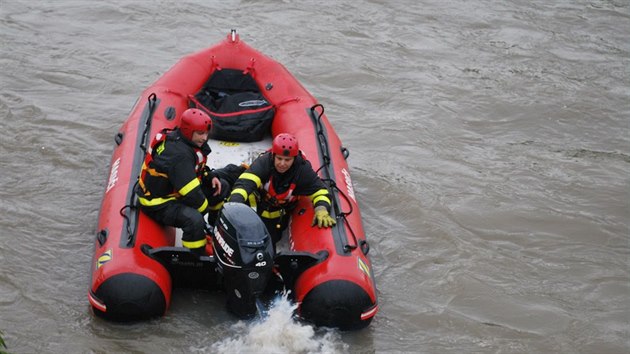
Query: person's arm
x,y
210,179
184,180
251,180
318,193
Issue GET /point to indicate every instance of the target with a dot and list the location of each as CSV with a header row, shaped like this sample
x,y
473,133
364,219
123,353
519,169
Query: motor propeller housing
x,y
245,256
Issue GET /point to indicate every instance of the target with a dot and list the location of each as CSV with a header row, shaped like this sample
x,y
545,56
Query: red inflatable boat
x,y
137,262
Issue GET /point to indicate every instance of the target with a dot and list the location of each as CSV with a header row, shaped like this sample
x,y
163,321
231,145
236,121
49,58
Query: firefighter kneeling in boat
x,y
176,188
273,182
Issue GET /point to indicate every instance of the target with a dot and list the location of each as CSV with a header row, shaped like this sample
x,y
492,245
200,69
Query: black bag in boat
x,y
238,110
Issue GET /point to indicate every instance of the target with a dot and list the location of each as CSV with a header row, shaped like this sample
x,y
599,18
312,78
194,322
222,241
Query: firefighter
x,y
175,187
273,183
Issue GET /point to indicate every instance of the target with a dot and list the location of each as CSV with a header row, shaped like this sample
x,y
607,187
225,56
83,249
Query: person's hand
x,y
216,185
207,176
322,218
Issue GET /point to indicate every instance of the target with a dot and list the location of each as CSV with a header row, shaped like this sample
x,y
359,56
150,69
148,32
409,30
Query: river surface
x,y
489,148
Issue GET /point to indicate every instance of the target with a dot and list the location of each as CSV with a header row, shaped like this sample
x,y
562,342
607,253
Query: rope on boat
x,y
144,141
323,145
147,126
127,223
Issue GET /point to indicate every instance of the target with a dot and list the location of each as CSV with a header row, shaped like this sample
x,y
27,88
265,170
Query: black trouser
x,y
177,214
276,227
215,201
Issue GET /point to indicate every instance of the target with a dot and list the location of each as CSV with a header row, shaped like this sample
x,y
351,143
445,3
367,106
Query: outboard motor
x,y
245,255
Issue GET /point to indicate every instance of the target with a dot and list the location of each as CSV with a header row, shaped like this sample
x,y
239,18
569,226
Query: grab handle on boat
x,y
345,153
118,138
365,247
101,236
169,113
147,126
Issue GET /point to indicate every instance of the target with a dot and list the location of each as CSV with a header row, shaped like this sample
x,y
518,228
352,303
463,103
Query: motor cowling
x,y
244,253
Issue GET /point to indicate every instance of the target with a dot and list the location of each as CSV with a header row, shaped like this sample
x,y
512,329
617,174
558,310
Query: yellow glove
x,y
322,218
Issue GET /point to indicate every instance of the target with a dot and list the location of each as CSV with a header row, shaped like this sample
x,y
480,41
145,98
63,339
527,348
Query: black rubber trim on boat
x,y
130,297
337,303
293,263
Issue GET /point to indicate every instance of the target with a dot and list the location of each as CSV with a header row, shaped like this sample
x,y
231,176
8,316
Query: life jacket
x,y
155,183
278,200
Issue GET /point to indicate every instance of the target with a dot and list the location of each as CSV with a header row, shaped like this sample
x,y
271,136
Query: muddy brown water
x,y
489,148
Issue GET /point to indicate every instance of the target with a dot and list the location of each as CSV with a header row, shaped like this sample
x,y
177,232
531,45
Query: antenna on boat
x,y
233,36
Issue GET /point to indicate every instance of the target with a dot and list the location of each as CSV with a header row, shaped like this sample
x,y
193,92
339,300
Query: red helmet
x,y
286,145
194,120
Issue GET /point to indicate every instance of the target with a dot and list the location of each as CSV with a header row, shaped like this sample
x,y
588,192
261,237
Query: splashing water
x,y
279,332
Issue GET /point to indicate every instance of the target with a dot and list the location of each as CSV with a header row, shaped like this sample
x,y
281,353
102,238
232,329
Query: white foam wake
x,y
279,332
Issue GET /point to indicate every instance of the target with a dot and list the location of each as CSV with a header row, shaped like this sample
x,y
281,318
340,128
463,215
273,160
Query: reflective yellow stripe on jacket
x,y
189,186
243,193
182,192
154,201
320,195
272,214
217,206
194,183
252,177
194,244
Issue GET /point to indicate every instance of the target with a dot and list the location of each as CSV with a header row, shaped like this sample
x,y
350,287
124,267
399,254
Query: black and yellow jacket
x,y
171,171
271,193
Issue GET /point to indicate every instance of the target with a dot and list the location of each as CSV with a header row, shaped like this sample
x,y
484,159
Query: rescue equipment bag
x,y
238,109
